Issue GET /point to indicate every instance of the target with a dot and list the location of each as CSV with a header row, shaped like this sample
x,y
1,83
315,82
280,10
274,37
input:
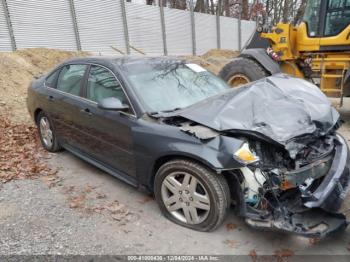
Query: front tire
x,y
47,133
191,195
241,71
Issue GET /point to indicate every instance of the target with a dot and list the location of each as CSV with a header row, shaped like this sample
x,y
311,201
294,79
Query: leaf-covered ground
x,y
21,155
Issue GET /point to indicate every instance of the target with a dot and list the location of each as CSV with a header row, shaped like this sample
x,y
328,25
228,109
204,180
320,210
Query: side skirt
x,y
112,171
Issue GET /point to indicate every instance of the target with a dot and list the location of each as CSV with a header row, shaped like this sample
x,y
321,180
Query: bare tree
x,y
200,6
287,10
245,9
212,7
300,12
178,4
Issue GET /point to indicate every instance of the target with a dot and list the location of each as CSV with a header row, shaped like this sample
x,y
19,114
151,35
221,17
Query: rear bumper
x,y
330,194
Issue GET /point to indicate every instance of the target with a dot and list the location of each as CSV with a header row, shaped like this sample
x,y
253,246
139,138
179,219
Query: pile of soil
x,y
214,59
17,69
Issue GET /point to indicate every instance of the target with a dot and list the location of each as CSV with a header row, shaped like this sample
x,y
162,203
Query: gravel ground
x,y
85,211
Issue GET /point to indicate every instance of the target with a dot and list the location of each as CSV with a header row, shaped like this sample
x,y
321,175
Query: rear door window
x,y
70,79
51,79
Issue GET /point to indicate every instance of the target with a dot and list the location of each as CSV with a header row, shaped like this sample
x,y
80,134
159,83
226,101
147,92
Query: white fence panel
x,y
229,33
248,28
49,23
145,31
42,24
206,37
5,40
178,31
100,25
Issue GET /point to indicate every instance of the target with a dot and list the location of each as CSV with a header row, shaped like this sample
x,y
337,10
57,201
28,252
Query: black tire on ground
x,y
54,147
243,66
215,185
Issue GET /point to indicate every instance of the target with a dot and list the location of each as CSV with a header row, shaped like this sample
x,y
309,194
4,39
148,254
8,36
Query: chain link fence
x,y
116,26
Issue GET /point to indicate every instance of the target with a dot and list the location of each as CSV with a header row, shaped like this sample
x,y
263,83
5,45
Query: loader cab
x,y
325,26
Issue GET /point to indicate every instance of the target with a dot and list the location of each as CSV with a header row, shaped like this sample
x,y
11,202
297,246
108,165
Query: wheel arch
x,y
36,114
166,158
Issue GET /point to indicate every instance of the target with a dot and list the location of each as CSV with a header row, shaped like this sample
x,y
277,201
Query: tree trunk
x,y
286,11
245,9
226,7
207,6
178,4
149,2
212,7
300,13
200,6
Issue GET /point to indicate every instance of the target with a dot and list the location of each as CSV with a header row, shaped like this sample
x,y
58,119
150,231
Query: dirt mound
x,y
220,53
17,70
214,59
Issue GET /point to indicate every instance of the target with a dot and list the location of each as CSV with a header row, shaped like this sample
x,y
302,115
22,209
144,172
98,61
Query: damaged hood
x,y
280,107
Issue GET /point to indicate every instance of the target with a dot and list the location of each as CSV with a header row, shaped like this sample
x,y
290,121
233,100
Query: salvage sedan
x,y
268,149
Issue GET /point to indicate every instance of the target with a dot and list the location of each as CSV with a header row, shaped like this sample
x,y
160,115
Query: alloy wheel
x,y
185,197
46,132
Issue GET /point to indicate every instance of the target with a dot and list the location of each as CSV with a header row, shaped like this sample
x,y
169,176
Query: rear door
x,y
108,133
65,100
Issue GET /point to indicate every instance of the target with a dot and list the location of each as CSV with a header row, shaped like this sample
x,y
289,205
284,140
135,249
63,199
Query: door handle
x,y
86,111
50,98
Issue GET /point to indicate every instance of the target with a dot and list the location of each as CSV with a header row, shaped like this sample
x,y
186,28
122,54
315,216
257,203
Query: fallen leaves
x,y
88,199
314,241
283,253
230,243
145,200
253,255
231,226
77,201
21,154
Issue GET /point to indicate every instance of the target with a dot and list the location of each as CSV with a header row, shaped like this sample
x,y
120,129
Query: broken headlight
x,y
245,155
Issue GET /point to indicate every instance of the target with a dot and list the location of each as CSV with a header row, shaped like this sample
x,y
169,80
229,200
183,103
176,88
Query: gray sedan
x,y
268,149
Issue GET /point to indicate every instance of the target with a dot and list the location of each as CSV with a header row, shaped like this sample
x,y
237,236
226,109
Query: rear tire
x,y
241,71
47,133
207,202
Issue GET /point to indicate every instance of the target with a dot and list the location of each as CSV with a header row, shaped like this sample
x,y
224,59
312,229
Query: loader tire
x,y
241,71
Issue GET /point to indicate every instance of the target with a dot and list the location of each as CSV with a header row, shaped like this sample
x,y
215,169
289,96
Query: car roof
x,y
124,60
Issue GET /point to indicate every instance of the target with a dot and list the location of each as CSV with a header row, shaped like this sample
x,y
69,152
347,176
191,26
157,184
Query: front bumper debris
x,y
313,214
332,191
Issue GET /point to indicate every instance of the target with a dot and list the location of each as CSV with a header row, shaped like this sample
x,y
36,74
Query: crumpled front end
x,y
300,195
293,168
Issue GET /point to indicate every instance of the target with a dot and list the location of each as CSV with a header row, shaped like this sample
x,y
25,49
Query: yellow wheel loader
x,y
317,49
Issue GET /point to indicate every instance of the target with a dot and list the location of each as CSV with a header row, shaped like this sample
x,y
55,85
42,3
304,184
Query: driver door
x,y
108,133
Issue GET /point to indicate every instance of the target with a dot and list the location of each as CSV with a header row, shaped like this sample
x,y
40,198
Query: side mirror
x,y
112,103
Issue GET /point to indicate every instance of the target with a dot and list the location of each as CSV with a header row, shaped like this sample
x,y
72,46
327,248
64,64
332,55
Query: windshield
x,y
172,85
